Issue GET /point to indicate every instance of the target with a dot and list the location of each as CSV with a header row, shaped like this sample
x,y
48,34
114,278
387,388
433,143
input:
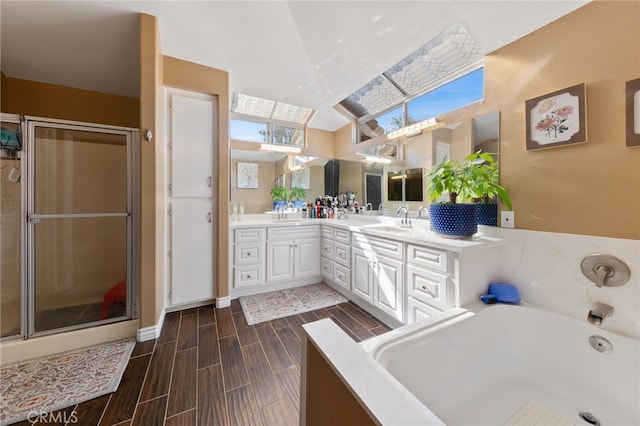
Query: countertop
x,y
380,226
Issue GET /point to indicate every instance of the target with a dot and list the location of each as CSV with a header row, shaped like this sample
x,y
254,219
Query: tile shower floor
x,y
208,367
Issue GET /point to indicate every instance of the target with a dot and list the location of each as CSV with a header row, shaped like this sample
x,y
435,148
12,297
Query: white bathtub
x,y
491,367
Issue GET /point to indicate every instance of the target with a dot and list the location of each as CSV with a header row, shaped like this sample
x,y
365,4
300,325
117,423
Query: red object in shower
x,y
116,294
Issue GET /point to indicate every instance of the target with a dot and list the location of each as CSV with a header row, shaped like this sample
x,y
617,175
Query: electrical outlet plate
x,y
507,219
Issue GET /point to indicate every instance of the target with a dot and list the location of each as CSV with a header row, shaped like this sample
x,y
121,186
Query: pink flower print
x,y
545,124
546,106
564,111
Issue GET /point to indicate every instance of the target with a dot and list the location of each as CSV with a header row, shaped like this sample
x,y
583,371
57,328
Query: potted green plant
x,y
474,178
281,197
487,188
298,195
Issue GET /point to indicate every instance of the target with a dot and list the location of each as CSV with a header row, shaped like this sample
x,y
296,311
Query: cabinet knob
x,y
424,287
209,217
209,181
248,276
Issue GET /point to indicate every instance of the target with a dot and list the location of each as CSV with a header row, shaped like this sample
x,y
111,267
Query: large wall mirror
x,y
373,185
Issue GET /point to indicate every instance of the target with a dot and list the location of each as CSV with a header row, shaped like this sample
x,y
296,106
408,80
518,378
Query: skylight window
x,y
450,55
270,109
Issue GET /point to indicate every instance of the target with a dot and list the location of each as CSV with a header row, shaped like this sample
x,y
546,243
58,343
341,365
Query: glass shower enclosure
x,y
77,204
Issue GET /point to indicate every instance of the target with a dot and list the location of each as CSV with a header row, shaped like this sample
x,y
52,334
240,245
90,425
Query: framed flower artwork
x,y
247,175
557,119
633,113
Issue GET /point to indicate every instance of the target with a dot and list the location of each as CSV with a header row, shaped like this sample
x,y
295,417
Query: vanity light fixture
x,y
413,129
287,149
371,159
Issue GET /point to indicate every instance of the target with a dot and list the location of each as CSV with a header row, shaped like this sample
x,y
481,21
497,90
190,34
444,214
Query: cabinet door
x,y
306,258
192,139
362,272
191,252
388,286
279,260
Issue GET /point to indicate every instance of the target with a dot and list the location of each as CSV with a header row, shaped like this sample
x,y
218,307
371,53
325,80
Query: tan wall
x,y
255,200
591,188
198,78
68,103
320,143
151,164
316,183
351,179
587,189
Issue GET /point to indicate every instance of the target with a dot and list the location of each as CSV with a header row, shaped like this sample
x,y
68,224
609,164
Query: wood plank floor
x,y
208,367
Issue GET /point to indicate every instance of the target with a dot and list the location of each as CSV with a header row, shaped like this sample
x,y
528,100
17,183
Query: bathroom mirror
x,y
369,181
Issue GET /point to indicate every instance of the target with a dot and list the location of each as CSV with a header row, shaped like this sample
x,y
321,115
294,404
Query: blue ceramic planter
x,y
488,214
281,204
454,220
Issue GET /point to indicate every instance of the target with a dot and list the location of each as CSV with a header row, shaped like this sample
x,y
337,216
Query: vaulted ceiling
x,y
309,53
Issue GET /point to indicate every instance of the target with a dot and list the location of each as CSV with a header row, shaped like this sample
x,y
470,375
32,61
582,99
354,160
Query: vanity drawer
x,y
342,254
417,311
342,276
292,232
246,235
327,232
427,257
326,248
326,268
248,253
382,246
248,275
342,235
427,286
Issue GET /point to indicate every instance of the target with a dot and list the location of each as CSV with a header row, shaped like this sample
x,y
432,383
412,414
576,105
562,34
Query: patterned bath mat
x,y
277,304
46,384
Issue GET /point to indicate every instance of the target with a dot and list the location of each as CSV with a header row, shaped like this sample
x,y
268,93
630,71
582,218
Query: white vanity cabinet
x,y
378,275
269,258
249,258
289,258
429,281
335,263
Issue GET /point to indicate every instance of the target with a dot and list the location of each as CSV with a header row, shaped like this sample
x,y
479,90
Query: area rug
x,y
37,386
277,304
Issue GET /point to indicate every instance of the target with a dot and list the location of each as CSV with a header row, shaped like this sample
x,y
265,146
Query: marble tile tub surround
x,y
545,267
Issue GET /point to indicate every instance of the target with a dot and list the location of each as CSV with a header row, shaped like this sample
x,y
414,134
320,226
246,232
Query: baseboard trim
x,y
152,332
223,302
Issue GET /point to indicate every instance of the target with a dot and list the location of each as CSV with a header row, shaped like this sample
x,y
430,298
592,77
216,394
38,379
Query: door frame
x,y
132,210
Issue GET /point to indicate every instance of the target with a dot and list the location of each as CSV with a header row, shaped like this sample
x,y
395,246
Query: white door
x,y
362,274
306,258
388,287
279,260
191,194
191,142
191,252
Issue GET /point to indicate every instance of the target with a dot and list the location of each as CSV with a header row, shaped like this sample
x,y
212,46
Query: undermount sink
x,y
390,228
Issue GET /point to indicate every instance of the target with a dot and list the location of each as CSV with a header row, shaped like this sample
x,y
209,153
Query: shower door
x,y
79,226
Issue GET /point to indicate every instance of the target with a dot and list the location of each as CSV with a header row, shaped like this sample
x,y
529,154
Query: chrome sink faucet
x,y
422,209
368,206
380,209
406,223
